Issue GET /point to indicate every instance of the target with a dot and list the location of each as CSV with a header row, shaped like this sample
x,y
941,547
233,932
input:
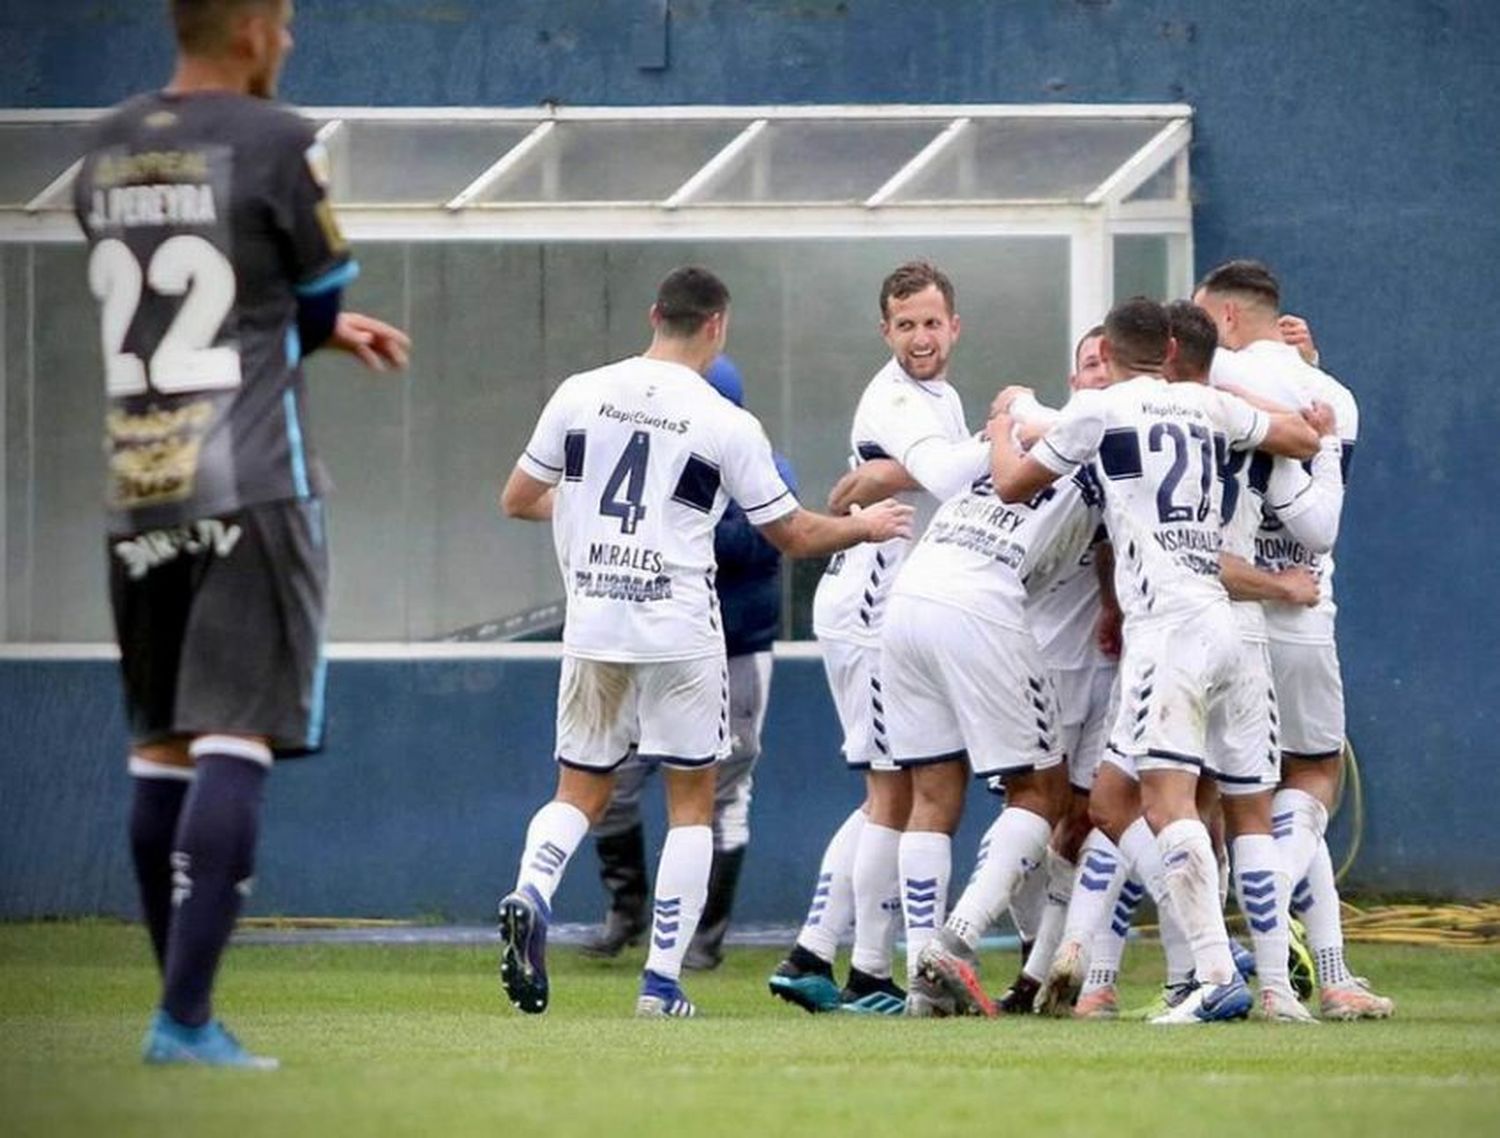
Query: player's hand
x,y
1001,427
1300,586
1107,631
376,344
1001,404
1026,435
1320,418
869,482
885,520
1294,331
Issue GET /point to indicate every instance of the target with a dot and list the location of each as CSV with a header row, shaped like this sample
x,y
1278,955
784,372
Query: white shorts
x,y
957,684
675,712
1086,697
1311,692
1244,756
1171,676
854,679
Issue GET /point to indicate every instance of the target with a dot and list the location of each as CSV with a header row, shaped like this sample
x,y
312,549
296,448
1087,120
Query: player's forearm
x,y
1290,435
1244,582
808,534
1017,477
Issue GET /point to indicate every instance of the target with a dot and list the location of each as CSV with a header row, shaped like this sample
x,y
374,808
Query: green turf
x,y
418,1040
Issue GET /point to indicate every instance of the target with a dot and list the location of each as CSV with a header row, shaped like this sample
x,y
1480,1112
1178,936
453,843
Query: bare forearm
x,y
808,534
1244,582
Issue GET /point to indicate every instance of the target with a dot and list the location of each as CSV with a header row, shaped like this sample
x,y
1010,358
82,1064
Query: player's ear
x,y
957,327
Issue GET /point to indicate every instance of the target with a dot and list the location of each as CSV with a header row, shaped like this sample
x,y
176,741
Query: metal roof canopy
x,y
713,173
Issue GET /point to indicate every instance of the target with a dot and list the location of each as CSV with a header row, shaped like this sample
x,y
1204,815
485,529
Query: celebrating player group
x,y
1118,613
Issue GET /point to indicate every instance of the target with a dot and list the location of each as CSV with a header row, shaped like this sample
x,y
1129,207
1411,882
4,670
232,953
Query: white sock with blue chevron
x,y
1096,888
926,866
877,899
1191,872
831,913
1263,892
553,835
1027,901
1059,874
1142,854
1018,845
1109,939
681,889
1324,924
1298,822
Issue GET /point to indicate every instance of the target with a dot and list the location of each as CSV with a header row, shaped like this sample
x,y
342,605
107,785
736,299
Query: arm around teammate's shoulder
x,y
1290,434
805,533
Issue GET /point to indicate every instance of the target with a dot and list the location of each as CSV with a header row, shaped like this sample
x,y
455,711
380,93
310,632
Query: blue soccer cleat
x,y
1211,1003
1244,959
810,989
523,949
662,998
170,1042
872,995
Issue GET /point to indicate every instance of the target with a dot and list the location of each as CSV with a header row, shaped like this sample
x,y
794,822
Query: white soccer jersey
x,y
895,416
1273,370
1156,447
1063,607
645,456
1064,611
985,557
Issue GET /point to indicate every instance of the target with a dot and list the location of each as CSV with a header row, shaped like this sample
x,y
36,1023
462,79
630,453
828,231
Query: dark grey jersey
x,y
206,217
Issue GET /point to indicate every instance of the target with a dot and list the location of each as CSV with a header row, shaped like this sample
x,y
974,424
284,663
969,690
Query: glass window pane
x,y
1030,160
822,161
32,154
1161,186
614,161
414,163
1141,267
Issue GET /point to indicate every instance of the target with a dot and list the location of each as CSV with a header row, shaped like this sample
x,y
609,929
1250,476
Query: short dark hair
x,y
687,298
1196,337
1096,330
1249,279
202,26
1138,331
910,279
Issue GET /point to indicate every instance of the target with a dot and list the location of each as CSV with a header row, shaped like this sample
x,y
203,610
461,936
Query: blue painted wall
x,y
1350,144
419,806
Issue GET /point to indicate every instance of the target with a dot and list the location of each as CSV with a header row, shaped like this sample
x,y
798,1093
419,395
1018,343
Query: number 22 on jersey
x,y
186,360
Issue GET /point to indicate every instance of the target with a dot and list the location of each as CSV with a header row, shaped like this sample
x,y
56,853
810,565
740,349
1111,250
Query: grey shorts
x,y
220,626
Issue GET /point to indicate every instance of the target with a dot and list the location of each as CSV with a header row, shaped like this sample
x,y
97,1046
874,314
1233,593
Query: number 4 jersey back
x,y
645,456
206,219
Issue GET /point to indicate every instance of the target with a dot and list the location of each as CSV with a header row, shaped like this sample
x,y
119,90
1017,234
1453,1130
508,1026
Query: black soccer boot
x,y
706,951
622,871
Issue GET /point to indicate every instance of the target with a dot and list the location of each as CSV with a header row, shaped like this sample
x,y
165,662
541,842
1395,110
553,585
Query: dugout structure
x,y
521,245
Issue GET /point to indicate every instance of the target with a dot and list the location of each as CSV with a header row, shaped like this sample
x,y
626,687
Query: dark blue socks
x,y
213,861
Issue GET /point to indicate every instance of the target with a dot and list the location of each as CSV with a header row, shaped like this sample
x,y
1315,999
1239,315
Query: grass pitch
x,y
417,1040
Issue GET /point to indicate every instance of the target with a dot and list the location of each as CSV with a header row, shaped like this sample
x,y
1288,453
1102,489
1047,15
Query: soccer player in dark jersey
x,y
218,265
